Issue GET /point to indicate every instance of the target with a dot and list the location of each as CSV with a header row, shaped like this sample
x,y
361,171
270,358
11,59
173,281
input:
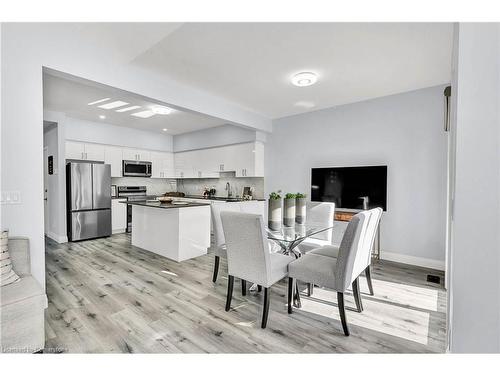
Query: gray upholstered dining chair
x,y
248,255
321,213
369,241
334,273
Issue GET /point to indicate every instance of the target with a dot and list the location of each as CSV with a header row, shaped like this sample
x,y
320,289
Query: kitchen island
x,y
178,231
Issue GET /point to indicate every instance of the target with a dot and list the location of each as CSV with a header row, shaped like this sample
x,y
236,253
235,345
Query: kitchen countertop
x,y
154,204
219,198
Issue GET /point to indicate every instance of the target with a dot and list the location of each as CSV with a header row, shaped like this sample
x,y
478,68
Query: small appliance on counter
x,y
209,192
88,200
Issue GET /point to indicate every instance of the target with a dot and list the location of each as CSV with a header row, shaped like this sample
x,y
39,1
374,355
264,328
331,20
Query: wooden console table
x,y
344,215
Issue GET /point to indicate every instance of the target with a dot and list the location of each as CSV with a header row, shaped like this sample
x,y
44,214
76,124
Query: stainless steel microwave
x,y
134,168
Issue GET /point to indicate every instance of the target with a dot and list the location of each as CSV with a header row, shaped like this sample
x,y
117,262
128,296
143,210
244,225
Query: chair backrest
x,y
216,210
371,231
253,207
352,259
323,213
248,255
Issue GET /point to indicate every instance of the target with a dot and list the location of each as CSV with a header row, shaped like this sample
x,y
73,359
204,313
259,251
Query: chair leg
x,y
290,294
340,300
243,287
230,283
310,289
368,274
216,268
266,307
357,294
259,288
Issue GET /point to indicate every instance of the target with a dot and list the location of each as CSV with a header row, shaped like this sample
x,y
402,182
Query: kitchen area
x,y
119,173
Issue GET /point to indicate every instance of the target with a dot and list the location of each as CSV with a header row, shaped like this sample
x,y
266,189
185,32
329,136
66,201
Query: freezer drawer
x,y
90,224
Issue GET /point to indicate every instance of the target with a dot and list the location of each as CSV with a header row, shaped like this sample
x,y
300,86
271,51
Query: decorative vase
x,y
300,210
274,214
289,212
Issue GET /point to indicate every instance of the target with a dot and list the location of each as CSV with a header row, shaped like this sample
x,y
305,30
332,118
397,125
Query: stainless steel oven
x,y
134,168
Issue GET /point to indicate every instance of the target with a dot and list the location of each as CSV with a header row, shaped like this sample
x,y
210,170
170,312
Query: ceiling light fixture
x,y
126,109
112,105
98,101
102,117
143,114
165,129
304,79
161,110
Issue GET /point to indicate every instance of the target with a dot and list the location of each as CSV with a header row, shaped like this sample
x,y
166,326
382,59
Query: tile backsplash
x,y
154,186
195,186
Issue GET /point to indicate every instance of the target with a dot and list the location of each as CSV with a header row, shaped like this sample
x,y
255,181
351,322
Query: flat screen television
x,y
346,186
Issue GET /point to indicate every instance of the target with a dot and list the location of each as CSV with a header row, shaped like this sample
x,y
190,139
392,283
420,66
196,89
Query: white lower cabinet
x,y
118,216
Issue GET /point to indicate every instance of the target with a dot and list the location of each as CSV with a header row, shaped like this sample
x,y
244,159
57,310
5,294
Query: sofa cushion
x,y
7,274
26,289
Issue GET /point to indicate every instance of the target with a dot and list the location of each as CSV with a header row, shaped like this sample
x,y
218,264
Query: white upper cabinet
x,y
94,152
136,154
75,150
84,151
249,159
113,156
162,165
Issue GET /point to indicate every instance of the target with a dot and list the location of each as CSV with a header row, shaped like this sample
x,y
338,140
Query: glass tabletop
x,y
299,232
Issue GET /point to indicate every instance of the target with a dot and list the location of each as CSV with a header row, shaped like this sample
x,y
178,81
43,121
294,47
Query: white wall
x,y
213,137
475,263
404,132
89,131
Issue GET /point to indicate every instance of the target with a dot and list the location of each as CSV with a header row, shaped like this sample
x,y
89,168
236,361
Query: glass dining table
x,y
288,238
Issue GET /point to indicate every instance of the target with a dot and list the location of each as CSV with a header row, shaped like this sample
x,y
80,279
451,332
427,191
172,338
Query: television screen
x,y
350,187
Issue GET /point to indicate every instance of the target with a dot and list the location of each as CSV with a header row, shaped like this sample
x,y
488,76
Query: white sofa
x,y
22,305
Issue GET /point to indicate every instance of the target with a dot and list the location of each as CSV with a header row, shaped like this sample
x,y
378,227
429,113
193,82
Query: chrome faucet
x,y
228,189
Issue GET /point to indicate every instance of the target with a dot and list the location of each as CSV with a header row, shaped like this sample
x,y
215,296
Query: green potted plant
x,y
300,208
289,210
274,210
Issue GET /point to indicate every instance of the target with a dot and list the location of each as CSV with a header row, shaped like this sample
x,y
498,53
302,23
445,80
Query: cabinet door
x,y
168,165
144,155
94,152
162,165
113,156
75,150
118,216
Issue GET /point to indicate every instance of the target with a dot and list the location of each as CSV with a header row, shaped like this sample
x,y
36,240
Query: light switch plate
x,y
10,197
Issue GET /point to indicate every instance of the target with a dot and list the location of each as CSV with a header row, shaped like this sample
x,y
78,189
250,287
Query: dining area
x,y
305,255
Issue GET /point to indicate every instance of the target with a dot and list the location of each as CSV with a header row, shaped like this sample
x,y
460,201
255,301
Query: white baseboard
x,y
55,237
415,261
121,230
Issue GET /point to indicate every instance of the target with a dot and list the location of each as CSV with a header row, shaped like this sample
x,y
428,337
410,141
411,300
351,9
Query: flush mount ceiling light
x,y
304,79
164,129
161,110
126,109
102,117
305,104
143,114
98,101
112,105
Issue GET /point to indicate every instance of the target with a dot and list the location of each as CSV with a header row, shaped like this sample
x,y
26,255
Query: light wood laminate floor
x,y
106,296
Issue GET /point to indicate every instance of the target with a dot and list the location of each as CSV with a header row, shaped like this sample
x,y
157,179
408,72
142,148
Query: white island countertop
x,y
175,231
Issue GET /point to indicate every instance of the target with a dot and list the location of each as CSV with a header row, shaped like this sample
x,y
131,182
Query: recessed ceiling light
x,y
102,117
112,105
143,114
304,79
128,108
161,110
165,129
98,101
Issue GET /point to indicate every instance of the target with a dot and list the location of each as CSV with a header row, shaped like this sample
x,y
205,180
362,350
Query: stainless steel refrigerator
x,y
88,200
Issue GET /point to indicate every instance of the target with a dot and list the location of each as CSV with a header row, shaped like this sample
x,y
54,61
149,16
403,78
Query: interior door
x,y
81,186
101,186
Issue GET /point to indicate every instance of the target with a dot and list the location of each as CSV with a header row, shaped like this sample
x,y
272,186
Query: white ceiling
x,y
71,97
251,63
